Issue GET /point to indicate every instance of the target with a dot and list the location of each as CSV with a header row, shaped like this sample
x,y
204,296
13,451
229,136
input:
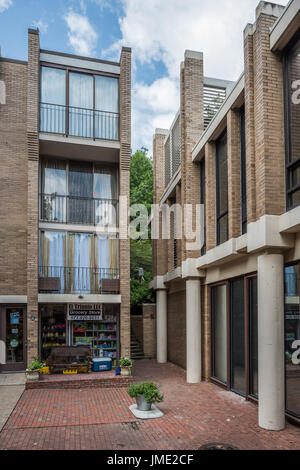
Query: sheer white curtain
x,y
53,255
103,256
54,189
105,188
82,263
53,94
81,97
106,102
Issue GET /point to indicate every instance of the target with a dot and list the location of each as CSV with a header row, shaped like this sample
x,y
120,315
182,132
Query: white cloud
x,y
42,25
161,30
5,4
153,106
82,36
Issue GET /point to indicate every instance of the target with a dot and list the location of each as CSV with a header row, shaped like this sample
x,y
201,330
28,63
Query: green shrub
x,y
36,365
125,362
148,389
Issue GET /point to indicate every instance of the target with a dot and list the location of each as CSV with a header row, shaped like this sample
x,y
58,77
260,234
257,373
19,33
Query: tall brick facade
x,y
33,97
264,239
26,213
125,152
13,179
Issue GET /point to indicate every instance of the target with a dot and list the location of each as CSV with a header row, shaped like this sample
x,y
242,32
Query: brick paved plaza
x,y
100,418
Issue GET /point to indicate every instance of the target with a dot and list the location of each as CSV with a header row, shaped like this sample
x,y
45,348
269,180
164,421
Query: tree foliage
x,y
141,192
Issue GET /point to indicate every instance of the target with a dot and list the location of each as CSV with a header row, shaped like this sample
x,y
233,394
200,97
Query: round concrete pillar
x,y
271,385
193,331
161,326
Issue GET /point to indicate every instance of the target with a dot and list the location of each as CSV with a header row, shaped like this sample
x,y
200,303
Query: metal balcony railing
x,y
78,210
79,122
78,280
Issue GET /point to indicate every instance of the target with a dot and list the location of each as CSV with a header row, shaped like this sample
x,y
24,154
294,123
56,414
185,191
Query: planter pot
x,y
142,404
125,371
32,375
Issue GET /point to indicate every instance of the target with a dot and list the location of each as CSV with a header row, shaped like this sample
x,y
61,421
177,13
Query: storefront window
x,y
292,339
219,333
14,335
53,328
62,325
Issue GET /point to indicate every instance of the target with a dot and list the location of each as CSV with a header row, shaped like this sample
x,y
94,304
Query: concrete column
x,y
193,331
271,386
161,325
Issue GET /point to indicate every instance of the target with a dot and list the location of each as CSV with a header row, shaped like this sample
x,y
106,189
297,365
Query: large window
x,y
292,105
219,332
202,202
78,261
292,339
234,335
237,327
79,192
79,104
222,189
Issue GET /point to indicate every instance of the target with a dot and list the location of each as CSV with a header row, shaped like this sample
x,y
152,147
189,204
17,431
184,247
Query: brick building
x,y
65,136
228,311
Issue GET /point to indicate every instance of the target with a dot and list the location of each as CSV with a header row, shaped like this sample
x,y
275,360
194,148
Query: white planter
x,y
32,375
125,371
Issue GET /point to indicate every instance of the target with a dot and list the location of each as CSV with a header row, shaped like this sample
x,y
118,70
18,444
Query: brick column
x,y
124,169
159,255
33,185
268,109
264,117
192,124
249,125
210,195
234,173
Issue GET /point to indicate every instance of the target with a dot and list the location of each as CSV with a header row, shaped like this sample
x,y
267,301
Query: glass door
x,y
237,328
219,332
13,335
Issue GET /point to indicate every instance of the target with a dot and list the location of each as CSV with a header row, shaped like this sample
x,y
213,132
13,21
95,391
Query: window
x,y
53,100
79,192
237,328
202,202
78,261
243,173
292,339
219,332
234,339
79,104
292,108
222,189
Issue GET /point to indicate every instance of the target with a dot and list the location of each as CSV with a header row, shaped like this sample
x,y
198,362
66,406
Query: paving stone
x,y
194,415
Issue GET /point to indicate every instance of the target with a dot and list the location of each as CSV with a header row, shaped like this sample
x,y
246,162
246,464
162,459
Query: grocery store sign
x,y
85,312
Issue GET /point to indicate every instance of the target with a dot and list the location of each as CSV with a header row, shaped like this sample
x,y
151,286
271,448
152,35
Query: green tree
x,y
141,192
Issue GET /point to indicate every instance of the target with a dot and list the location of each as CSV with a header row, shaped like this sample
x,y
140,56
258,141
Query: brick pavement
x,y
194,415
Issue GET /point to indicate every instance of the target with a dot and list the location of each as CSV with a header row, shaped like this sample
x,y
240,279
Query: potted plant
x,y
145,394
125,364
33,370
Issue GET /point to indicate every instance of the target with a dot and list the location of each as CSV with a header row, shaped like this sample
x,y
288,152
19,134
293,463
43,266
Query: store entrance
x,y
13,338
94,325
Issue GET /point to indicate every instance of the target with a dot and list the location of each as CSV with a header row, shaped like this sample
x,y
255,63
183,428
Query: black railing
x,y
78,280
78,210
79,122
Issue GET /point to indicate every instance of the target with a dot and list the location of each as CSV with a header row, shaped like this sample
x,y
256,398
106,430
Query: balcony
x,y
78,280
78,210
79,122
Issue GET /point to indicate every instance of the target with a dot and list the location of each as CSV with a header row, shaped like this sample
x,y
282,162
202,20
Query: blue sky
x,y
157,30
